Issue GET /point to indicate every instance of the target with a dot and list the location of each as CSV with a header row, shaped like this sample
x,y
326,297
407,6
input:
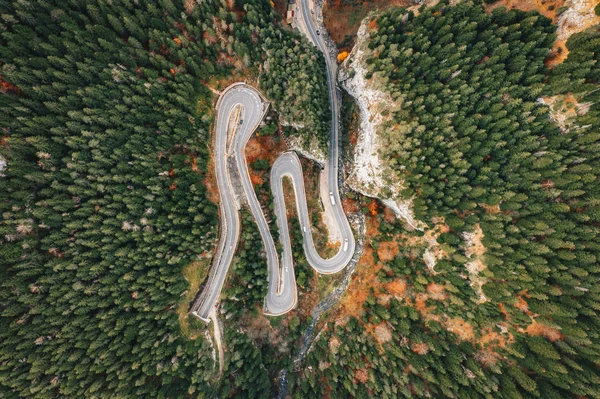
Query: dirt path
x,y
218,340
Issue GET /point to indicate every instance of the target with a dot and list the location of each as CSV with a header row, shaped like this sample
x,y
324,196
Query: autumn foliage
x,y
342,56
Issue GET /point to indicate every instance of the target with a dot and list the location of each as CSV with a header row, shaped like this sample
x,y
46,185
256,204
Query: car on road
x,y
331,198
318,33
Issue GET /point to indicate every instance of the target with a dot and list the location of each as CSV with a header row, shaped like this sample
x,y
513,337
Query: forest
x,y
481,154
105,126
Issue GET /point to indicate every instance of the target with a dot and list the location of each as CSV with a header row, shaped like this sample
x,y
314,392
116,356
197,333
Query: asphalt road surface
x,y
247,101
239,112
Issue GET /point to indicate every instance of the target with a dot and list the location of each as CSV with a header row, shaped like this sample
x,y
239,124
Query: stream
x,y
308,334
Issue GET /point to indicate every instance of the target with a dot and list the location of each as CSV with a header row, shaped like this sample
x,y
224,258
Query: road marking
x,y
281,297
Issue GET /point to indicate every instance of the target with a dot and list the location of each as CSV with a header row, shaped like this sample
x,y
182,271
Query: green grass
x,y
195,273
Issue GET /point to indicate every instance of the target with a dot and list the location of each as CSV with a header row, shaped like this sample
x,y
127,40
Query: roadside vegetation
x,y
277,339
342,17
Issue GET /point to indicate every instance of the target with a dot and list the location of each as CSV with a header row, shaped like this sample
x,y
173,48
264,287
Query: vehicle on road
x,y
282,293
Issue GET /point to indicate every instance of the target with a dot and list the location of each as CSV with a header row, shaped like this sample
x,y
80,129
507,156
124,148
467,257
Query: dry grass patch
x,y
361,375
545,7
436,292
350,205
387,250
359,288
578,17
342,21
564,109
475,250
420,348
195,273
396,287
550,333
460,327
383,332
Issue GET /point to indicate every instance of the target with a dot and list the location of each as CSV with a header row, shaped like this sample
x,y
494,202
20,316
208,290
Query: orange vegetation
x,y
210,181
545,7
522,305
460,327
580,17
429,303
372,227
436,291
491,209
420,348
361,375
373,24
264,147
387,250
177,40
343,20
383,332
558,54
210,38
396,287
334,344
490,338
189,6
487,357
388,215
358,290
254,150
564,108
353,136
256,178
8,87
280,7
373,207
194,164
342,56
550,333
350,205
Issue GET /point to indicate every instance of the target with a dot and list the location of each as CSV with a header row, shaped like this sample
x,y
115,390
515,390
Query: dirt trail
x,y
218,340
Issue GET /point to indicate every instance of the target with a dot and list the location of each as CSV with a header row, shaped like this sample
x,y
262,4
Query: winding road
x,y
239,111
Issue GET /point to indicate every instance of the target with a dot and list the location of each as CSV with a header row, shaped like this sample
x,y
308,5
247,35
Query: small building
x,y
291,9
